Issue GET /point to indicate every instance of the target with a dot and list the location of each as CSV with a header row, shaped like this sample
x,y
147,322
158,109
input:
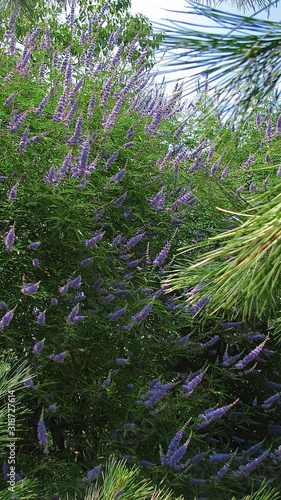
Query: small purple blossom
x,y
37,348
30,288
29,383
160,258
114,316
245,470
251,356
53,408
58,358
41,318
92,474
42,433
142,315
94,240
75,283
121,361
10,239
34,245
118,202
210,415
86,262
13,193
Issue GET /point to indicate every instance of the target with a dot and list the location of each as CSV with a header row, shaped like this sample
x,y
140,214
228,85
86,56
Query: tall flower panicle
x,y
42,433
252,355
111,160
158,201
84,156
269,129
248,162
23,141
118,202
245,470
63,289
190,385
159,390
58,358
30,288
13,193
268,402
161,257
75,283
17,121
9,100
92,474
10,239
117,314
106,91
94,240
72,315
142,315
41,106
6,319
77,132
41,318
91,107
134,241
182,199
278,125
210,415
37,348
58,114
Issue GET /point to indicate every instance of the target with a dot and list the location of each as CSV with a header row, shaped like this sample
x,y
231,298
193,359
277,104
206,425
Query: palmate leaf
x,y
241,273
241,57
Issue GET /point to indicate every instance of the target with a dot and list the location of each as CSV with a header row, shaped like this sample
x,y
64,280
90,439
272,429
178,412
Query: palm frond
x,y
244,4
263,493
118,479
241,57
241,272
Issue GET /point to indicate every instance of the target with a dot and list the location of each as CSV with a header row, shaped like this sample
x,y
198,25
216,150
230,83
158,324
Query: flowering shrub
x,y
93,209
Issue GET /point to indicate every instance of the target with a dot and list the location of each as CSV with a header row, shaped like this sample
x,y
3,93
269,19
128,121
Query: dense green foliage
x,y
103,178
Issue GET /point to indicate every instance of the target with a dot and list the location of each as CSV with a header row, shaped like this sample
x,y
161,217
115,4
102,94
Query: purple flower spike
x,y
58,358
37,348
160,258
35,262
34,245
86,262
190,386
114,316
6,319
29,383
141,316
10,239
121,361
75,283
63,289
13,193
30,289
251,356
72,315
41,318
92,474
9,100
118,202
42,433
245,470
94,240
52,408
210,415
